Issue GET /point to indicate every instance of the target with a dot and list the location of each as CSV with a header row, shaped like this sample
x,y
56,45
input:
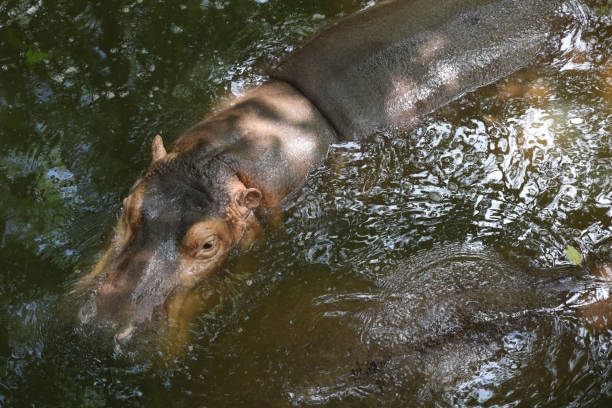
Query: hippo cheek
x,y
193,271
182,310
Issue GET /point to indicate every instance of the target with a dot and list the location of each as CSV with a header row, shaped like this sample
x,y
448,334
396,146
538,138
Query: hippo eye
x,y
207,249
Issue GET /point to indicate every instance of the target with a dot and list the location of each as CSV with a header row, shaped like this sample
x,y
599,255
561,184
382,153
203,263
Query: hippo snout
x,y
120,329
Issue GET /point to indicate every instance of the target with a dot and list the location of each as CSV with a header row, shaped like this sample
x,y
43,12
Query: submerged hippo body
x,y
452,325
383,67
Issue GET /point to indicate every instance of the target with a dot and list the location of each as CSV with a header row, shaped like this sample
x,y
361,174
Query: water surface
x,y
417,268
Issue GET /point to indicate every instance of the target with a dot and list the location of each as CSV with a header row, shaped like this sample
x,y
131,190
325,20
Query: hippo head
x,y
178,224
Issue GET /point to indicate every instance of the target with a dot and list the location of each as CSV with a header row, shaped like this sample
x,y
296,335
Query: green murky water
x,y
420,268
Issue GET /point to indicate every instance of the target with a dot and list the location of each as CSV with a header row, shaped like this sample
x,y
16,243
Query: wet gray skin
x,y
391,64
384,67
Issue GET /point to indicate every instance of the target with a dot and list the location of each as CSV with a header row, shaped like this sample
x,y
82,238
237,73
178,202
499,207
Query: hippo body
x,y
385,66
432,330
400,60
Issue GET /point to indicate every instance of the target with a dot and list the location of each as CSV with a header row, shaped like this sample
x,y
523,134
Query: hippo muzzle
x,y
137,284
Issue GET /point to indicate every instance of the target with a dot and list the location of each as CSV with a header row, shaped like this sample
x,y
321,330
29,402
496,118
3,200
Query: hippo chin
x,y
386,66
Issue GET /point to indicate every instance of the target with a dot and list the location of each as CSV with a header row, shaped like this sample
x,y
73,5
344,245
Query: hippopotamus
x,y
386,66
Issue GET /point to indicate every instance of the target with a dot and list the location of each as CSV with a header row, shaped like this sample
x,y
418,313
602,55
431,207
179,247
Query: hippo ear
x,y
158,149
249,198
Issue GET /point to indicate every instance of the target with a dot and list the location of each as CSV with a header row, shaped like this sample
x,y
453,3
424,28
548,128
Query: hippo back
x,y
398,60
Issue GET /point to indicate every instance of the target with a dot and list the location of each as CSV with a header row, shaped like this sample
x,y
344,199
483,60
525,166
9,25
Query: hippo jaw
x,y
174,233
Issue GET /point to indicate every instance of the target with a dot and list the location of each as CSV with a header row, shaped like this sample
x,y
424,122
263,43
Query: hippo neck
x,y
399,60
269,138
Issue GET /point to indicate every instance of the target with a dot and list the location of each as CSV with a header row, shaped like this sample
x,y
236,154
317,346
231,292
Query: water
x,y
417,268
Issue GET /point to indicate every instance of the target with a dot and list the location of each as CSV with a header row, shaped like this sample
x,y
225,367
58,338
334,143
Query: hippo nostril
x,y
125,334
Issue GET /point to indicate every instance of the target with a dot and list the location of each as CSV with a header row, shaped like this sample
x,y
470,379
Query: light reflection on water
x,y
416,268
